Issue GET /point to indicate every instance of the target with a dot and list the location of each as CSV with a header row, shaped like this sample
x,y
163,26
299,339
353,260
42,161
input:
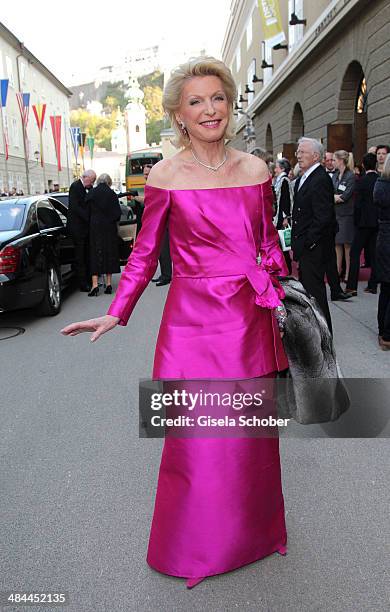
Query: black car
x,y
36,254
61,196
127,226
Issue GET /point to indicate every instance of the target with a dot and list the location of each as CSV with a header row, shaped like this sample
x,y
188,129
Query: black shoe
x,y
162,282
94,292
108,290
156,280
340,296
370,290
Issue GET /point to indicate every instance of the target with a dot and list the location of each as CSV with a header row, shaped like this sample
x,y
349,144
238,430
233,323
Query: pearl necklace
x,y
213,168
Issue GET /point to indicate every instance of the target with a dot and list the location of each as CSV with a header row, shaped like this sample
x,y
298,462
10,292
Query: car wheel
x,y
51,303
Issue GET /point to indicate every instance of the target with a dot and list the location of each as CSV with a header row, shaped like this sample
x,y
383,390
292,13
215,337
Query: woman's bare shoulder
x,y
163,172
158,174
251,168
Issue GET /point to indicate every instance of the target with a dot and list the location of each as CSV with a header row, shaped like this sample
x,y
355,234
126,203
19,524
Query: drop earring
x,y
184,129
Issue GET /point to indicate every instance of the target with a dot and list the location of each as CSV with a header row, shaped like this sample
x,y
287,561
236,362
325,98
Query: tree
x,y
151,85
98,127
153,103
115,96
153,131
154,79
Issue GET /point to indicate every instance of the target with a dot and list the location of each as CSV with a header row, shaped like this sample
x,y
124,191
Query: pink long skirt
x,y
219,505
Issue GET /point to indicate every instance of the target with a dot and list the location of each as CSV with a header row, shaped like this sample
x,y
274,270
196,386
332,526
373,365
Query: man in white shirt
x,y
313,221
329,163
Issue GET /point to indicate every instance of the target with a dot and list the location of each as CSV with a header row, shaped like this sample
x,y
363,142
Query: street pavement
x,y
78,484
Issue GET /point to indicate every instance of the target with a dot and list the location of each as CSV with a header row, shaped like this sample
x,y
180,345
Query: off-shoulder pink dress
x,y
219,502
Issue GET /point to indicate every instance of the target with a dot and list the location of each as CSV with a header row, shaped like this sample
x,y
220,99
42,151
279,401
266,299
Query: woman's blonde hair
x,y
197,67
386,167
346,157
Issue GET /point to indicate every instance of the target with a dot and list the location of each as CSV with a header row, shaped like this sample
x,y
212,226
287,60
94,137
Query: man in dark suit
x,y
313,221
139,201
78,224
366,220
165,253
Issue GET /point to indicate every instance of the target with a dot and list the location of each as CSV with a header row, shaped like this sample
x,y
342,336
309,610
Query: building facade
x,y
23,169
328,79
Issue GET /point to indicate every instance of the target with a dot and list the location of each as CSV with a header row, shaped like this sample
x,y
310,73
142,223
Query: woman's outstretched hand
x,y
98,326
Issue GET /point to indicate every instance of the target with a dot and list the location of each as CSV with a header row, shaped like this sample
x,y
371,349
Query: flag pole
x,y
5,148
66,149
24,127
26,158
42,161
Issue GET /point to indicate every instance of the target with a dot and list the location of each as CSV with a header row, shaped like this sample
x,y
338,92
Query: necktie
x,y
301,181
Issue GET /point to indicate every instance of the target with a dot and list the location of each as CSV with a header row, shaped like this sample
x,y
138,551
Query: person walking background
x,y
139,200
283,200
332,276
313,221
329,163
382,200
366,220
381,153
78,224
104,213
165,261
165,255
344,185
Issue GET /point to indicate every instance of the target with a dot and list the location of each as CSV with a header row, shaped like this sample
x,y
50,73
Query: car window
x,y
136,166
62,197
61,208
47,216
11,216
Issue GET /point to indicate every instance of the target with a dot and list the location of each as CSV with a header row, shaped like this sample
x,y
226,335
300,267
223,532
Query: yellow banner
x,y
271,21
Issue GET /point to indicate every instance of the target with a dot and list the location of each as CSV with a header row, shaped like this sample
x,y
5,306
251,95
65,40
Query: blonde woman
x,y
344,186
219,502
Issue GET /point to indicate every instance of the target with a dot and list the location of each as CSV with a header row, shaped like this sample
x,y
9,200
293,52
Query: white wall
x,y
41,90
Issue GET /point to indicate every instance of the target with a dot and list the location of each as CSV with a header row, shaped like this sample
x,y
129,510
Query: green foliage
x,y
115,96
98,127
153,131
152,86
154,79
101,127
153,103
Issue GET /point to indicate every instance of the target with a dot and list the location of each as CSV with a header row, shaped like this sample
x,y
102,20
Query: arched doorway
x,y
269,143
297,123
350,130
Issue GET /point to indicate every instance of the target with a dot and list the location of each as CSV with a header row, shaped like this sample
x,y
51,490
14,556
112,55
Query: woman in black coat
x,y
382,200
104,213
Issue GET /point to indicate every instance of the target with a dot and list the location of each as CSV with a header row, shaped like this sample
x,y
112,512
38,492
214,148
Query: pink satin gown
x,y
219,502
